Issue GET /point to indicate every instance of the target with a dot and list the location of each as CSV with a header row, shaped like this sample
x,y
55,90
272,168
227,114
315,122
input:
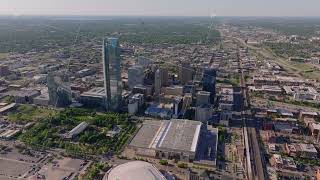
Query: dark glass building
x,y
59,90
112,73
209,82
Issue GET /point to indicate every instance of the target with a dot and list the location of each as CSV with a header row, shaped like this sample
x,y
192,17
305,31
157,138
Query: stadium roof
x,y
134,170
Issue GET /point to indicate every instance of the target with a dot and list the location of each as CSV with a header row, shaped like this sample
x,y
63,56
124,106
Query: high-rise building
x,y
209,82
59,90
203,113
135,76
161,77
112,73
187,101
203,98
136,101
148,77
185,73
165,77
158,82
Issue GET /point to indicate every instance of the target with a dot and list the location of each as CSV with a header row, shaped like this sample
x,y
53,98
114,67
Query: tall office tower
x,y
135,76
112,73
158,82
59,90
185,73
209,82
165,77
148,77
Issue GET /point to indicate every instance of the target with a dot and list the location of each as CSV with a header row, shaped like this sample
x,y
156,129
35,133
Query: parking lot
x,y
62,168
13,168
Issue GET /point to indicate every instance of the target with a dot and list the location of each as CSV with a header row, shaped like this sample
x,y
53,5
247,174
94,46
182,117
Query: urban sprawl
x,y
198,101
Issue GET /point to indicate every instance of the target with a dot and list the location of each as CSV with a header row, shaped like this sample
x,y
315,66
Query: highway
x,y
255,168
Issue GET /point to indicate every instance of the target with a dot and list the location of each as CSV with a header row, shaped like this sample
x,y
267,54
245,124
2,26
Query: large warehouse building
x,y
179,139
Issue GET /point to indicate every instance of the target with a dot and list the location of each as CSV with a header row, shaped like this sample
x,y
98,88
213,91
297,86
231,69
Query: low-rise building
x,y
161,110
85,72
173,90
8,134
41,100
276,161
178,139
289,164
314,128
24,96
291,150
77,130
306,151
7,108
307,114
272,148
94,97
301,92
266,89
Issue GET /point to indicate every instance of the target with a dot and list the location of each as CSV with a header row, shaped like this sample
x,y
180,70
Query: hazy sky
x,y
163,7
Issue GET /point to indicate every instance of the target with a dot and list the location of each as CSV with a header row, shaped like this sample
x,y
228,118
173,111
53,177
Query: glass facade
x,y
209,82
112,73
59,90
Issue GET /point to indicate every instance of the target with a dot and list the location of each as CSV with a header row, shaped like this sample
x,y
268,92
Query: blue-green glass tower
x,y
112,73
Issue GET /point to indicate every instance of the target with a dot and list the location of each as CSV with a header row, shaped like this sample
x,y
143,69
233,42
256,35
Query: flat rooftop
x,y
146,134
180,135
95,92
308,148
176,135
226,98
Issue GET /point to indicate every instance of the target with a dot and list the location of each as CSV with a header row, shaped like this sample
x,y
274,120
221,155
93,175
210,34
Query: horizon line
x,y
128,15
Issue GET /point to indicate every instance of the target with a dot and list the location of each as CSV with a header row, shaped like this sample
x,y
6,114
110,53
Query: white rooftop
x,y
134,170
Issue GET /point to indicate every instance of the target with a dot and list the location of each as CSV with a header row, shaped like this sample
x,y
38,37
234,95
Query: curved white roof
x,y
134,170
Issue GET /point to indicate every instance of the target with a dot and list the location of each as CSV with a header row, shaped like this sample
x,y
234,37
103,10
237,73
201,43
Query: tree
x,y
163,162
182,165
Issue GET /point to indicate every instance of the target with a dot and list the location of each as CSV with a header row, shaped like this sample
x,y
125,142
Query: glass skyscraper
x,y
59,89
209,82
112,73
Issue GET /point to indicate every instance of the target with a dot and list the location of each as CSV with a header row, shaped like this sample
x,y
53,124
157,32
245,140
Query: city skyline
x,y
161,8
140,89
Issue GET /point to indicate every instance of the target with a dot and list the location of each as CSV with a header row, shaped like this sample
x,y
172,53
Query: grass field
x,y
29,113
312,75
301,69
3,55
